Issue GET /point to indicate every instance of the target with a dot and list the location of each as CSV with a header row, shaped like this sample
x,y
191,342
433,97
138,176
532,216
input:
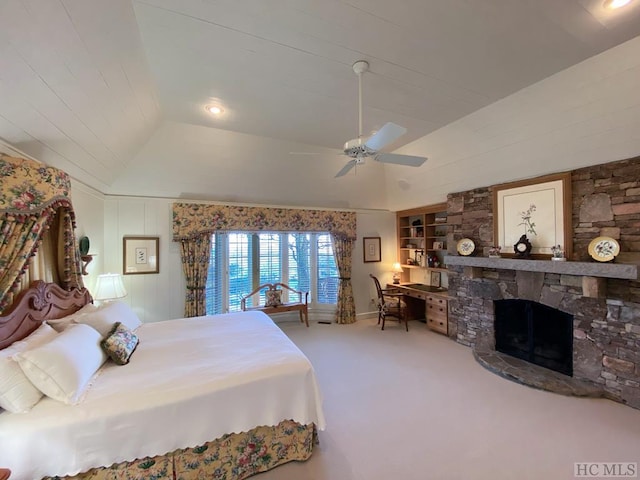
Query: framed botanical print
x,y
538,209
371,248
140,255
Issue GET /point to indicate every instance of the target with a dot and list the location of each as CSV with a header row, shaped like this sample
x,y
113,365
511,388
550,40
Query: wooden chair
x,y
390,304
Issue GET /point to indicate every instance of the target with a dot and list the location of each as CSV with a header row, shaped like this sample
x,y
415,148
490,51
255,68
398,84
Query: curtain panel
x,y
195,265
342,250
192,220
32,196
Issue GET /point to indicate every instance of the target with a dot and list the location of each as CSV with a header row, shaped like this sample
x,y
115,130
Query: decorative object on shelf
x,y
465,246
140,255
433,261
371,249
83,247
557,253
410,245
397,271
438,245
494,252
109,287
435,279
604,249
522,248
541,207
417,230
440,219
418,256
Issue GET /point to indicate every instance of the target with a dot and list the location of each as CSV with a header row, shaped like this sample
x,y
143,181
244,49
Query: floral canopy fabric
x,y
32,195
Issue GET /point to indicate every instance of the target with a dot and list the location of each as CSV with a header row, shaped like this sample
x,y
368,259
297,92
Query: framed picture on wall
x,y
140,255
435,279
540,209
371,248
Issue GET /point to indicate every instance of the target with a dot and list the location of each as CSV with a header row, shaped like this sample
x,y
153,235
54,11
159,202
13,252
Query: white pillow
x,y
61,324
105,317
62,368
17,393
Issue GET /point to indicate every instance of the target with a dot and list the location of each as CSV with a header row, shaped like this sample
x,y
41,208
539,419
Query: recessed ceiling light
x,y
214,109
613,4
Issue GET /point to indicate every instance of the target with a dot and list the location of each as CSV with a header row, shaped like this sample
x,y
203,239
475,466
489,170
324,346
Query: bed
x,y
223,396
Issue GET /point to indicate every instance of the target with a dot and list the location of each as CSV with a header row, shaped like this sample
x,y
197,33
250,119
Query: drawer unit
x,y
437,318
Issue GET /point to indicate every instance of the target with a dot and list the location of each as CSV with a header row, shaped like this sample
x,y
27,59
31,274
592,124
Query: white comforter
x,y
189,381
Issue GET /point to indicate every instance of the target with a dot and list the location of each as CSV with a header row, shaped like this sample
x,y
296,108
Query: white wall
x,y
153,296
107,219
88,204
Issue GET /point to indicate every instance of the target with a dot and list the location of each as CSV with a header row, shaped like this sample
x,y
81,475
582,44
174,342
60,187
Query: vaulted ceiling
x,y
96,87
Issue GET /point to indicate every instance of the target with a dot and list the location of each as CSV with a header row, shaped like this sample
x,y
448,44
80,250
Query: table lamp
x,y
397,271
109,287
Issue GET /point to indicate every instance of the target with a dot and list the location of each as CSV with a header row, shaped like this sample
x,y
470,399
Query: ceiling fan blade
x,y
305,153
408,160
350,164
389,133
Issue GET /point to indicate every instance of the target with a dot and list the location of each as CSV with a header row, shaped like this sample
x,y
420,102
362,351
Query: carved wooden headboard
x,y
41,301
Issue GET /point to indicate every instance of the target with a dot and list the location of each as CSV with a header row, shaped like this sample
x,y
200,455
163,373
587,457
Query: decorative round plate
x,y
466,246
603,249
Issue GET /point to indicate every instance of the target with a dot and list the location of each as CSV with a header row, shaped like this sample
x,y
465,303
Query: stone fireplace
x,y
602,298
596,326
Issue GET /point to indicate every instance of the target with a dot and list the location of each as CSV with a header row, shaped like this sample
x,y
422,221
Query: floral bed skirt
x,y
232,457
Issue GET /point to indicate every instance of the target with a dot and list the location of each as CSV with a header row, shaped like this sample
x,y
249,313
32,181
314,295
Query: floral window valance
x,y
32,195
192,219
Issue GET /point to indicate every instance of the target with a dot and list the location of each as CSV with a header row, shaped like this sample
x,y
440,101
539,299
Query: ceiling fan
x,y
358,149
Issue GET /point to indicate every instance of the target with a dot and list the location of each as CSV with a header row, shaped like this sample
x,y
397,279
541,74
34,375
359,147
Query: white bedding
x,y
189,381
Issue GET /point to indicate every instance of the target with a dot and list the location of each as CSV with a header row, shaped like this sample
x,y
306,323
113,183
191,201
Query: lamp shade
x,y
109,287
397,268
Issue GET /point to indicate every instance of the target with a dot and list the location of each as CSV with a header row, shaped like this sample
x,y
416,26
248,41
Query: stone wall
x,y
606,202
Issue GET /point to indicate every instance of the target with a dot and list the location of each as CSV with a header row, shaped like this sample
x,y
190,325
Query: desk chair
x,y
390,304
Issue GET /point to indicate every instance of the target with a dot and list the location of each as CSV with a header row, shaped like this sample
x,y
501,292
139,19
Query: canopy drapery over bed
x,y
33,197
194,223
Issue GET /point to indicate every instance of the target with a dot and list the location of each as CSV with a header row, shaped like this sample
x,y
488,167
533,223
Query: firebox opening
x,y
536,333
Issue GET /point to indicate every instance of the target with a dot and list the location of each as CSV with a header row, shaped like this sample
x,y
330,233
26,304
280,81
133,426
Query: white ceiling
x,y
88,85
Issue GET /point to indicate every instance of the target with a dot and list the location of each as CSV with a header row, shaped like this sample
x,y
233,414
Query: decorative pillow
x,y
120,344
17,393
62,368
273,297
61,324
105,317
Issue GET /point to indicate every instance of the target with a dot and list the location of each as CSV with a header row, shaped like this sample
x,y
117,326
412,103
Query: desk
x,y
425,301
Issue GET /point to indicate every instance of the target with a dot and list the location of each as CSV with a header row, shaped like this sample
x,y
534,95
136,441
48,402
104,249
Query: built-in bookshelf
x,y
422,238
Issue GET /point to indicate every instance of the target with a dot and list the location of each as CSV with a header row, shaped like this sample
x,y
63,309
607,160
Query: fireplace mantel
x,y
593,274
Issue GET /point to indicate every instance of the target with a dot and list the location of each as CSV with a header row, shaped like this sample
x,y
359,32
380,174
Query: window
x,y
241,261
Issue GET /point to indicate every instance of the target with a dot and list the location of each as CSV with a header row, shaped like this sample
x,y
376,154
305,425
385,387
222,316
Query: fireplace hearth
x,y
534,332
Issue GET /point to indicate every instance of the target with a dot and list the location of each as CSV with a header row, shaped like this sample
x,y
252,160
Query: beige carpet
x,y
417,406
